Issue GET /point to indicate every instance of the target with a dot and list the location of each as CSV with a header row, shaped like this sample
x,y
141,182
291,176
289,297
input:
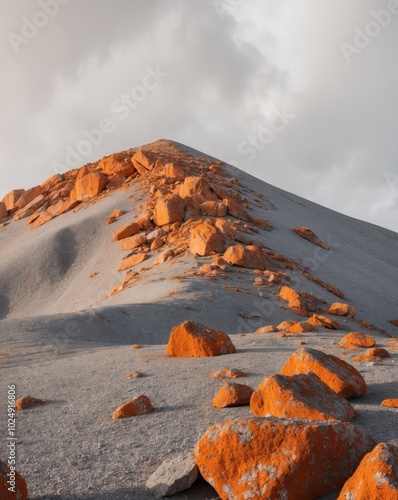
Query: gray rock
x,y
174,475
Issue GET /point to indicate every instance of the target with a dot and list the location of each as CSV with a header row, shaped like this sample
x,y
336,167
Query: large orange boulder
x,y
12,484
308,234
116,165
133,241
129,229
376,478
29,196
52,182
169,209
231,394
341,309
213,208
206,239
11,199
299,396
90,185
3,212
132,261
30,208
354,340
173,171
196,340
248,256
261,458
197,189
143,162
236,210
140,405
295,301
324,322
340,376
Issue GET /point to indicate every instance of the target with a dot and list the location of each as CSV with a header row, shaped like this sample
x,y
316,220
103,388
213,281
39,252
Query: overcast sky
x,y
302,94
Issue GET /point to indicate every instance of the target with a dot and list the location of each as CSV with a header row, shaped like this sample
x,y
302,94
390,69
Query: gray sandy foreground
x,y
71,448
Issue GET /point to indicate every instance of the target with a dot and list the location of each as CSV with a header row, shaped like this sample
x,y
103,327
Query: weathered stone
x,y
169,209
30,208
29,196
26,402
174,475
267,329
42,219
353,340
376,478
197,189
300,396
132,261
249,257
133,241
390,403
266,458
90,185
213,208
3,212
50,183
295,301
174,171
226,373
324,322
308,234
143,162
196,340
340,376
116,165
231,394
11,199
341,309
206,239
140,405
115,215
129,229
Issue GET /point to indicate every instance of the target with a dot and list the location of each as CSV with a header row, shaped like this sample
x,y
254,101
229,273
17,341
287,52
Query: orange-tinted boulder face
x,y
90,185
232,395
324,322
196,340
140,405
354,340
20,489
267,458
143,162
26,402
213,208
11,199
129,229
206,239
308,234
249,256
340,376
341,309
299,396
197,189
29,196
390,403
169,209
174,171
376,477
3,212
114,165
295,302
50,183
132,261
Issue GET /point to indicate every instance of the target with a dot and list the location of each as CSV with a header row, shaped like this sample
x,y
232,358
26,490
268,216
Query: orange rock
x,y
340,376
30,208
302,327
236,210
135,346
169,209
306,233
174,171
391,403
300,396
341,309
116,182
53,181
132,261
227,373
156,244
366,358
324,321
133,241
206,239
143,162
213,208
285,325
126,231
232,395
20,490
66,206
376,478
378,351
295,302
271,458
133,375
29,196
267,329
140,405
164,256
116,165
219,262
249,257
354,340
115,215
197,189
196,340
3,212
26,402
90,185
44,217
11,199
144,220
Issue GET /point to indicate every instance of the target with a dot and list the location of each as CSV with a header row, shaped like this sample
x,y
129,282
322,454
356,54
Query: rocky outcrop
x,y
340,376
196,340
140,405
260,458
28,197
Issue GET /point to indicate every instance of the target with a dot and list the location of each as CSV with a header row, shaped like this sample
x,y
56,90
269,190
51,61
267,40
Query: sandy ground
x,y
65,340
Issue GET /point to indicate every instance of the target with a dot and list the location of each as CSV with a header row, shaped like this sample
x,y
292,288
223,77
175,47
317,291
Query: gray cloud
x,y
228,77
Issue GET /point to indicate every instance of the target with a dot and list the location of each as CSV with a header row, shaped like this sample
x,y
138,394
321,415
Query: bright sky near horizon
x,y
302,95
